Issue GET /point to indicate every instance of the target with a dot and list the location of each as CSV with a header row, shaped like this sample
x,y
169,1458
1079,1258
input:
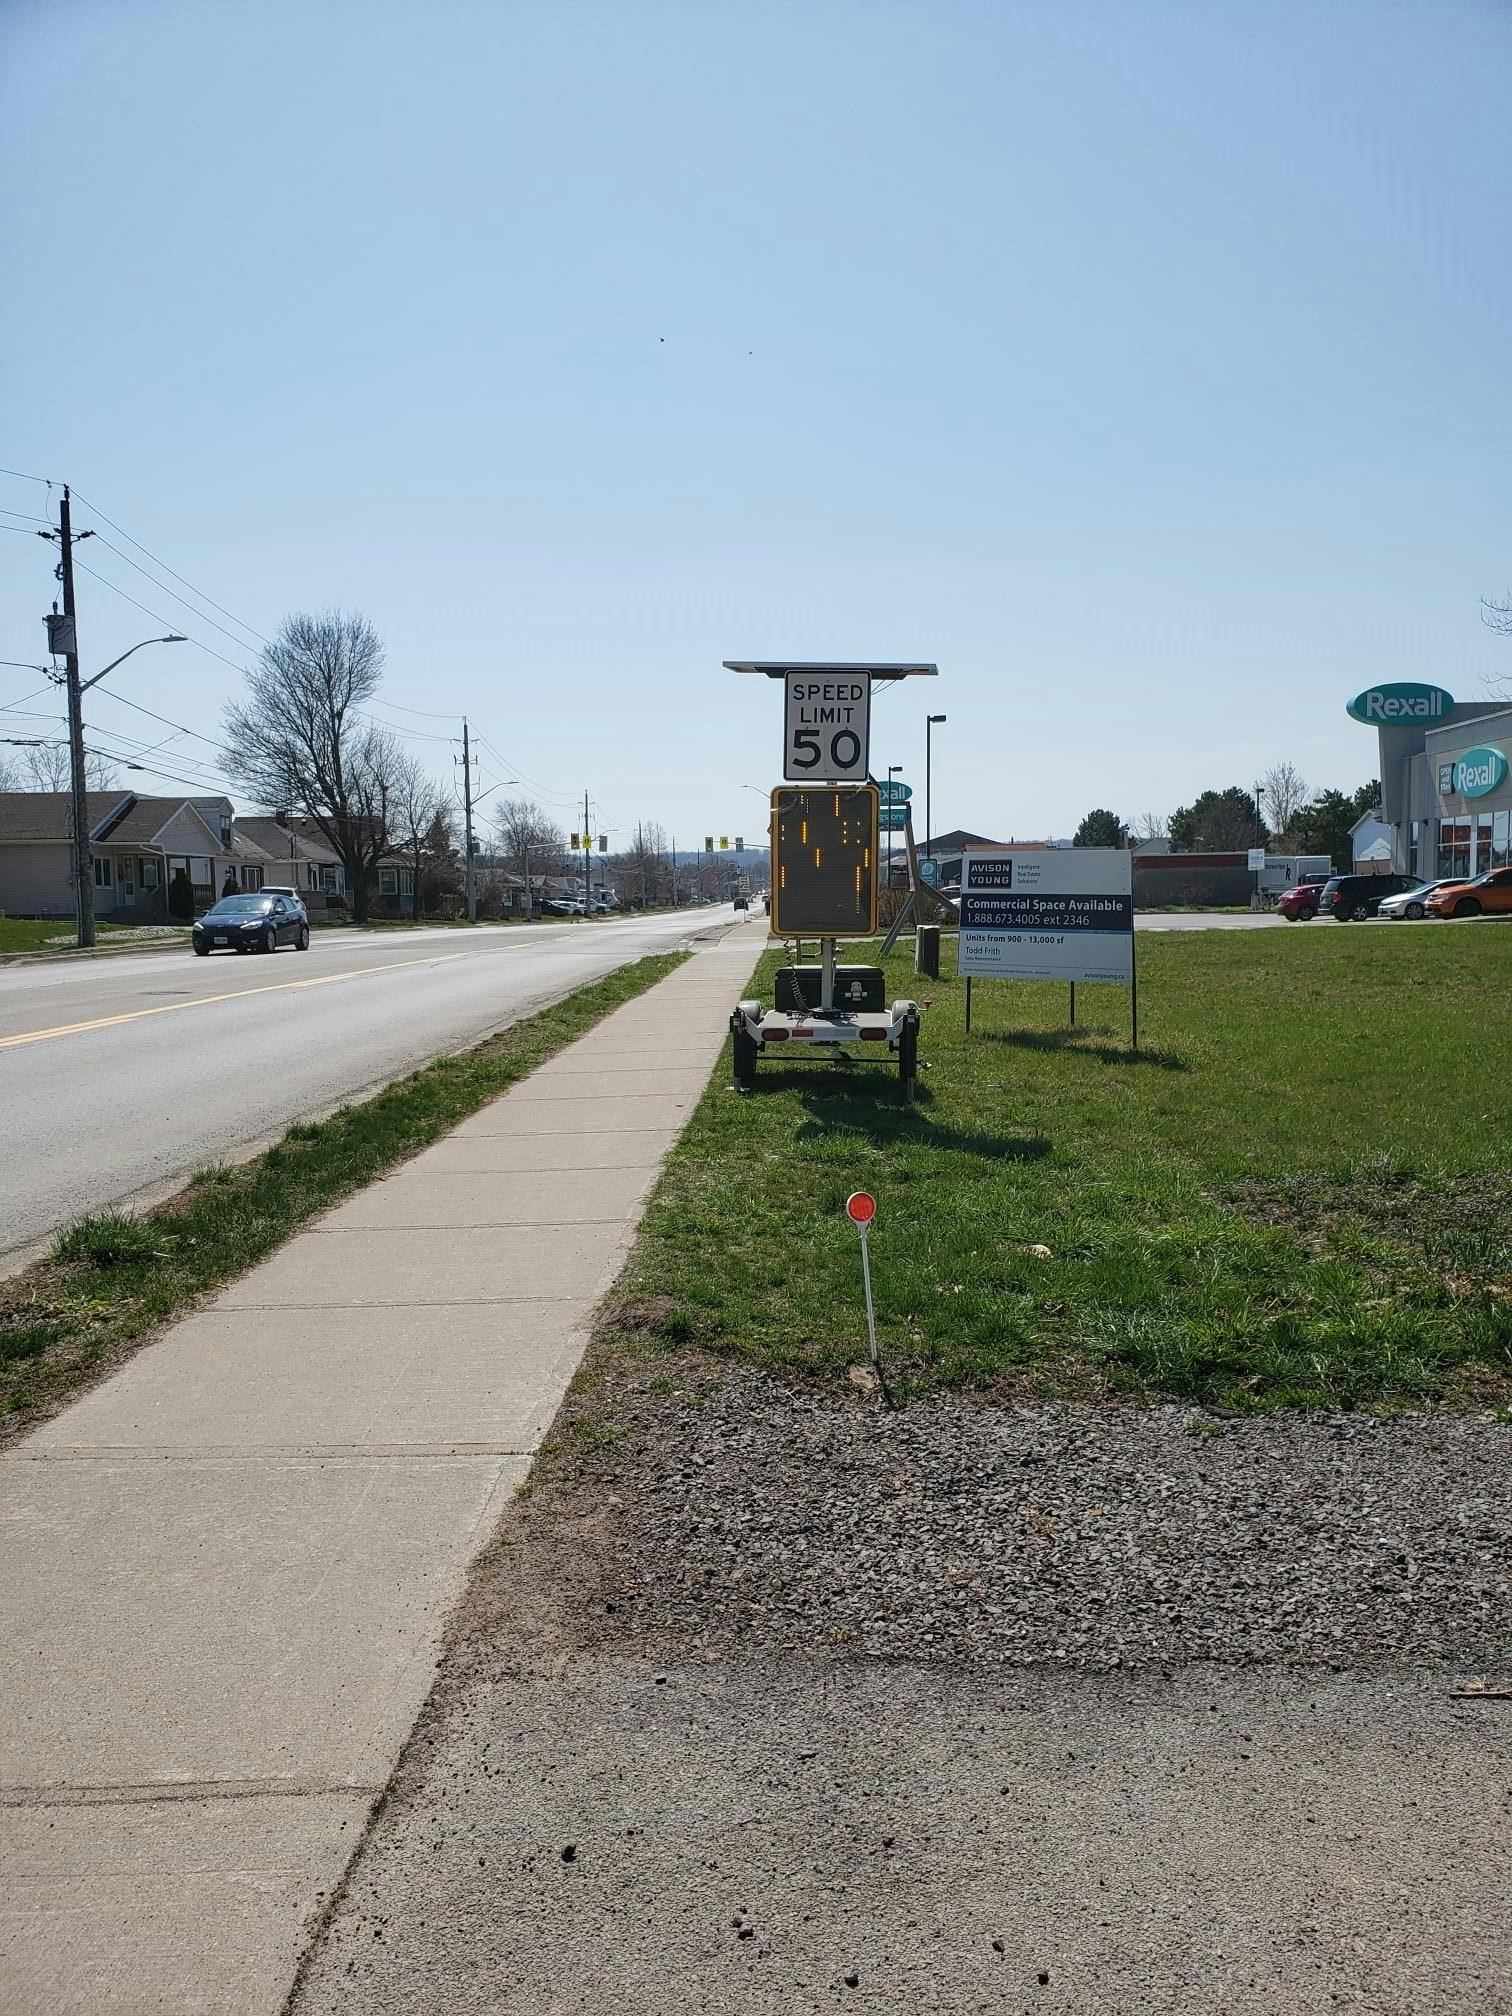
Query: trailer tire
x,y
908,1058
745,1053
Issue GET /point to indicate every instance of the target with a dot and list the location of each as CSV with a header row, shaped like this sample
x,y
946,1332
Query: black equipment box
x,y
858,990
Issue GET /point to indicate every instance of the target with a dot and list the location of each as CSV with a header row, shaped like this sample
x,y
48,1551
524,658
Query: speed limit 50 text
x,y
828,728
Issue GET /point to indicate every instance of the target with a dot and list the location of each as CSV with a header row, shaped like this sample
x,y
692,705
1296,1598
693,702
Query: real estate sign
x,y
1057,913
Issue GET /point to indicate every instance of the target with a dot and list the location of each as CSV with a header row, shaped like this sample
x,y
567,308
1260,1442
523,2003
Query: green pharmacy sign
x,y
1478,772
1401,705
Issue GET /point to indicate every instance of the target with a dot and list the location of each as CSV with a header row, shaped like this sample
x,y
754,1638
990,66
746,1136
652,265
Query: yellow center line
x,y
209,1000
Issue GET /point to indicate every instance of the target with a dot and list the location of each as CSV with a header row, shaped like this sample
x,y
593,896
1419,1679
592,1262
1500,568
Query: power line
x,y
30,517
165,567
109,693
182,600
206,648
425,713
25,478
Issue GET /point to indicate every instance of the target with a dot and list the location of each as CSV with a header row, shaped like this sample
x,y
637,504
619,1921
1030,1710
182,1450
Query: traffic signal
x,y
739,844
708,843
577,841
603,843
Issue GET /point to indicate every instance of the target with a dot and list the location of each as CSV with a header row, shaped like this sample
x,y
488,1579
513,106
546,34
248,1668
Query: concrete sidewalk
x,y
226,1569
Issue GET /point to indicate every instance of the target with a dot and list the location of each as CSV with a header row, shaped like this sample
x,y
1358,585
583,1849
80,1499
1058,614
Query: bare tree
x,y
643,872
1283,793
10,775
49,767
301,739
416,801
1150,826
1496,614
530,842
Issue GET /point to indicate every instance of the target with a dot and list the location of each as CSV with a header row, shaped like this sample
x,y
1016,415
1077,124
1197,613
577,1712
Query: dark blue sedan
x,y
252,923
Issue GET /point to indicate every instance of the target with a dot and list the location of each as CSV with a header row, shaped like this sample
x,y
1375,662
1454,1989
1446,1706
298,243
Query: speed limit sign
x,y
828,738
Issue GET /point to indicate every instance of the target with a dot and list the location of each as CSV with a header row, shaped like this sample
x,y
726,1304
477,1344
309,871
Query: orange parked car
x,y
1491,893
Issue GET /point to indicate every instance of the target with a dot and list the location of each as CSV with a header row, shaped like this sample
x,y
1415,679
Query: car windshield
x,y
238,906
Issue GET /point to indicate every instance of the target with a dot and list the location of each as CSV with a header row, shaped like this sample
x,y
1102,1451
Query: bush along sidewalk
x,y
113,1279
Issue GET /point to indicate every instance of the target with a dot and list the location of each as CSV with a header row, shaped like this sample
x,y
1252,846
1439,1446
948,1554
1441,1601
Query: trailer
x,y
824,881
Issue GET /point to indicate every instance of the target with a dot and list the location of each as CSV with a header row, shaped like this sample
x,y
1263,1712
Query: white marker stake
x,y
861,1208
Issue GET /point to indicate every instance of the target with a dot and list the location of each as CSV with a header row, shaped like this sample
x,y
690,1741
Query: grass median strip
x,y
1300,1195
114,1278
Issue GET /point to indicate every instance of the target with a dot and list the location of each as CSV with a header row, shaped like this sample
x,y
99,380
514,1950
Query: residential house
x,y
1370,843
139,845
301,858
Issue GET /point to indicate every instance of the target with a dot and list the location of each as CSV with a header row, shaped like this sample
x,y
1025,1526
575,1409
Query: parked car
x,y
1300,905
1490,893
1344,897
741,903
1412,902
252,923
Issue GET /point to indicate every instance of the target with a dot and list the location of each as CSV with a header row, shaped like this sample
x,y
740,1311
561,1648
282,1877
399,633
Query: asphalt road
x,y
119,1077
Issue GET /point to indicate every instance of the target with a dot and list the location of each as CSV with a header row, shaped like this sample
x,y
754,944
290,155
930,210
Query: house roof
x,y
272,837
46,815
953,843
121,818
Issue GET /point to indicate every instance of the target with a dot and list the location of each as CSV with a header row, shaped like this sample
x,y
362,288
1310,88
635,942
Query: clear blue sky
x,y
1147,366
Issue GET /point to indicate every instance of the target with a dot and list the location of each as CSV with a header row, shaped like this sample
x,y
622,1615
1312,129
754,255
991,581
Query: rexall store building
x,y
1446,778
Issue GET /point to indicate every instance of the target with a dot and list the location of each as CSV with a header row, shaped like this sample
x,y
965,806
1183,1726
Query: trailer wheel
x,y
746,1051
908,1057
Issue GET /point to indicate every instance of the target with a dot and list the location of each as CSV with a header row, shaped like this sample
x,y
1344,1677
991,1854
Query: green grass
x,y
1299,1194
112,1279
56,934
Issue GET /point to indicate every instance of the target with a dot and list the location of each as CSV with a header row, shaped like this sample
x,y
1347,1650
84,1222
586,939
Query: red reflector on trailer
x,y
774,1035
873,1035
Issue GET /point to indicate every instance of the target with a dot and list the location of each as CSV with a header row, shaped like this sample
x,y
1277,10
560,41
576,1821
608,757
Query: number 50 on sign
x,y
828,730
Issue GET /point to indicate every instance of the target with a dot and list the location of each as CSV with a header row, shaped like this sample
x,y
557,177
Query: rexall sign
x,y
1478,772
1401,705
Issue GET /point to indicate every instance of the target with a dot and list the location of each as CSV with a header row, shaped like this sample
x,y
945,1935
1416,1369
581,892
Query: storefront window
x,y
1454,847
1501,839
1412,847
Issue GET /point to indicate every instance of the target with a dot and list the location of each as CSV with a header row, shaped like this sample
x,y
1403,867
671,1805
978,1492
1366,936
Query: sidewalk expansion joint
x,y
452,1301
492,1225
186,1790
265,1452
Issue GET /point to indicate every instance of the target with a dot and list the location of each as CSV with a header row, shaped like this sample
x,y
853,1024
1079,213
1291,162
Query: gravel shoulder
x,y
765,1699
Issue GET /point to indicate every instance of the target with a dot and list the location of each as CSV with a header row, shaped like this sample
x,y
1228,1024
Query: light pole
x,y
929,722
83,855
892,771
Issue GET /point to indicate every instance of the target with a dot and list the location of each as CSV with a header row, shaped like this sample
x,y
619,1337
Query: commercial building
x,y
1446,778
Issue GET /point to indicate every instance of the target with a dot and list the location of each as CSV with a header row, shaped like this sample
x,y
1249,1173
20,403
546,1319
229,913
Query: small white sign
x,y
1055,913
828,731
1257,857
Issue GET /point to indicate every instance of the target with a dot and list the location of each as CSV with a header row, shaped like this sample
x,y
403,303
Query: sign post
x,y
861,1208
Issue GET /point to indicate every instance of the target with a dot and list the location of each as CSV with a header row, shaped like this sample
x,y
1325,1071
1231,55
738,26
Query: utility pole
x,y
468,882
84,909
674,871
587,858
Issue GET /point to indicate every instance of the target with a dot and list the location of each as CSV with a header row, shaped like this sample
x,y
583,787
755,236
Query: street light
x,y
929,722
172,638
83,855
892,771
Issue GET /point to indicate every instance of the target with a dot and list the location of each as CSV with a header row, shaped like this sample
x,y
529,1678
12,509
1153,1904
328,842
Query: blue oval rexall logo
x,y
1400,705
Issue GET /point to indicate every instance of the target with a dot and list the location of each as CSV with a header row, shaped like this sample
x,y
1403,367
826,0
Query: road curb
x,y
93,952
